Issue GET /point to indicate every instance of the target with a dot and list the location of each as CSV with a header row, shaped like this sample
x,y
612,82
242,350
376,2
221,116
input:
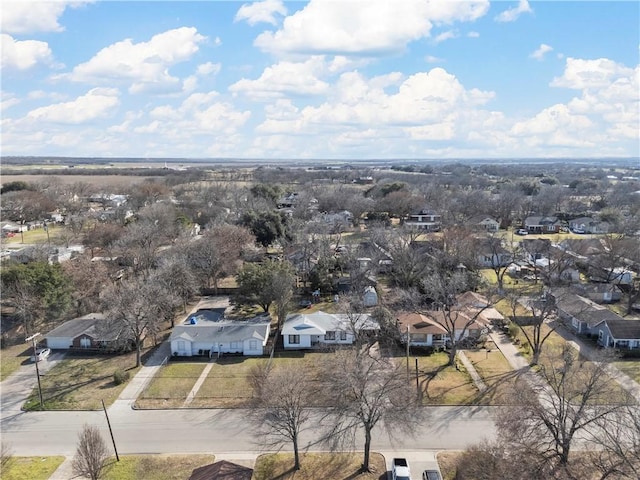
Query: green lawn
x,y
156,467
171,385
80,383
31,468
313,466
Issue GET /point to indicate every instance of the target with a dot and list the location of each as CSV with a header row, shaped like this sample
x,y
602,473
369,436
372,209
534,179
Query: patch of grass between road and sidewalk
x,y
496,373
32,468
80,383
157,467
337,466
440,383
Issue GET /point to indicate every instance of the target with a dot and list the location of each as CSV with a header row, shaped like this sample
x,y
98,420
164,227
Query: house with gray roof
x,y
209,333
542,224
618,333
302,331
89,332
581,313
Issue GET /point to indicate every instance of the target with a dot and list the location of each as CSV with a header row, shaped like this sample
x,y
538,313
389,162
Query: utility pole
x,y
113,440
32,338
408,341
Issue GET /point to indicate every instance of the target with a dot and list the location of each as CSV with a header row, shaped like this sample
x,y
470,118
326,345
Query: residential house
x,y
209,333
425,219
600,292
303,331
479,307
490,255
618,333
89,332
428,329
422,331
43,252
541,224
484,222
579,312
12,227
588,225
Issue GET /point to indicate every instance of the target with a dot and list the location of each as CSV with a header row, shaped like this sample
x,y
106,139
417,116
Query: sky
x,y
324,79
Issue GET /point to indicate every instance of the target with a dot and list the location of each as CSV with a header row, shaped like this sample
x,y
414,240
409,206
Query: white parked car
x,y
41,354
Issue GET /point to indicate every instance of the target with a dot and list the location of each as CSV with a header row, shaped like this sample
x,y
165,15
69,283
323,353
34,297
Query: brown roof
x,y
222,470
433,321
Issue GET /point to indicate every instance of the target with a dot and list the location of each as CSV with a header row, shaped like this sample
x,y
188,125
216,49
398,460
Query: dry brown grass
x,y
156,467
496,373
80,383
314,466
12,357
111,181
171,386
447,462
440,383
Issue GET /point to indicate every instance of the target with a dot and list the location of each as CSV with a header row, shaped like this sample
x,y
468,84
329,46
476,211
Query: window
x,y
343,335
253,345
85,342
330,335
294,339
235,345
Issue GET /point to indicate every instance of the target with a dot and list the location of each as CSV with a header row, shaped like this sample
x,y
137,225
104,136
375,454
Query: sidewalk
x,y
138,383
477,379
591,353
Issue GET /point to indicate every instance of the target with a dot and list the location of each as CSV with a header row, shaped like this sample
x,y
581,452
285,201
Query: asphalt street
x,y
221,431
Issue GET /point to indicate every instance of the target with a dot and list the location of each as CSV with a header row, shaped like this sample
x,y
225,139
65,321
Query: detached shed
x,y
370,297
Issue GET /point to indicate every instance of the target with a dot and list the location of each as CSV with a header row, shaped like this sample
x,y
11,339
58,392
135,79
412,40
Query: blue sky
x,y
328,79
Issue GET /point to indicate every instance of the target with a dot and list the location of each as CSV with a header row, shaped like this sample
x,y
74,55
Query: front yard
x,y
32,468
12,357
80,383
337,466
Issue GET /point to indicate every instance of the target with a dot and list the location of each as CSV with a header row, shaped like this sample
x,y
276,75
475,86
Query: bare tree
x,y
134,312
617,438
282,399
218,251
91,453
539,310
368,391
438,302
547,418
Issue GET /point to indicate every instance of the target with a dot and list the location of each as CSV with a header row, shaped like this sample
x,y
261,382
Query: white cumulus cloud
x,y
26,16
286,78
540,52
512,14
261,12
145,64
580,73
364,28
25,54
97,103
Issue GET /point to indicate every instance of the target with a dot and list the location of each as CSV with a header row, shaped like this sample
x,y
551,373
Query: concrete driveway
x,y
18,386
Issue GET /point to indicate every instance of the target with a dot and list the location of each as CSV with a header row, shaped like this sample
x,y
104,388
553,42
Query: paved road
x,y
219,431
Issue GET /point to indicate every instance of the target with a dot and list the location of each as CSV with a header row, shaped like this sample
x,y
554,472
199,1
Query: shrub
x,y
120,377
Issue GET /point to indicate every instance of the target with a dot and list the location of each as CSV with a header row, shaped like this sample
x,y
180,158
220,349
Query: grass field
x,y
112,181
12,357
314,466
80,383
31,468
156,467
170,387
495,372
440,383
630,367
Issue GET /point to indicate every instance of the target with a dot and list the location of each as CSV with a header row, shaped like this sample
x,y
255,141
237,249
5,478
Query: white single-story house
x,y
216,337
301,331
618,333
487,223
88,332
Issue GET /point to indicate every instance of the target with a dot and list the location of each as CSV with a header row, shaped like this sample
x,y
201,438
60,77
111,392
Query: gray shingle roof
x,y
622,329
93,325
